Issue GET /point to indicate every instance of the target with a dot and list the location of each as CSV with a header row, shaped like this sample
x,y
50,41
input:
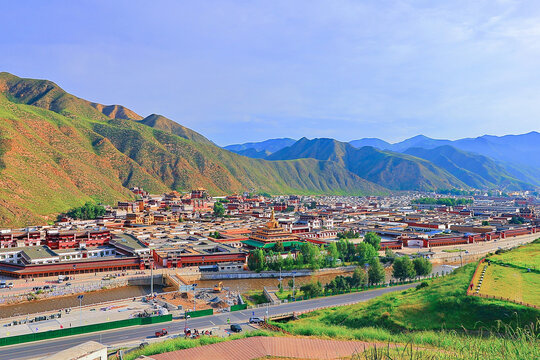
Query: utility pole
x,y
151,278
280,279
293,285
194,285
80,297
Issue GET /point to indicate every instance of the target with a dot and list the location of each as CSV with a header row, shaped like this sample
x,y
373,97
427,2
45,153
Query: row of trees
x,y
443,201
88,211
405,269
314,257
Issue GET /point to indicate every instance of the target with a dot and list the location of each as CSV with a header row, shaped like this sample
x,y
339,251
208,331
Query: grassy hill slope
x,y
58,151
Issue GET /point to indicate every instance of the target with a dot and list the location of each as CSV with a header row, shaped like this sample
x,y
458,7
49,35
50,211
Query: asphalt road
x,y
140,333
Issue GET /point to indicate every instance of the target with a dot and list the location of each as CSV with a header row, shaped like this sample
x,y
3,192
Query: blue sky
x,y
241,71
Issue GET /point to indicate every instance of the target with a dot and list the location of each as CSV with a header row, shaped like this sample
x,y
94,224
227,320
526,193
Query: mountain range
x,y
509,162
58,151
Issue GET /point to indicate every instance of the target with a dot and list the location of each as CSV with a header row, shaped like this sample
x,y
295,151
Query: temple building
x,y
270,234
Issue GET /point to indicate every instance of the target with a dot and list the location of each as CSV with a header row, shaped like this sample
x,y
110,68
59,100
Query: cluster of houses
x,y
180,230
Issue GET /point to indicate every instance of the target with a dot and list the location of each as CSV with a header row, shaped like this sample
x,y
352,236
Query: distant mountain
x,y
270,146
475,170
373,142
58,151
522,149
252,153
519,155
392,170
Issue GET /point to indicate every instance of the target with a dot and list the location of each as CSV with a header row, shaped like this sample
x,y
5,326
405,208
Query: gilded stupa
x,y
271,232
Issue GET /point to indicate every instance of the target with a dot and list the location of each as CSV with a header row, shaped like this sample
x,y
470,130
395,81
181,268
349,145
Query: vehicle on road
x,y
10,285
161,332
68,284
3,284
236,328
255,320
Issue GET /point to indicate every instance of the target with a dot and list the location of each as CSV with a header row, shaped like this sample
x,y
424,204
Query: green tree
x,y
422,266
333,254
359,278
88,211
389,254
312,255
312,289
485,223
403,268
373,239
278,247
365,252
288,263
376,272
219,210
256,260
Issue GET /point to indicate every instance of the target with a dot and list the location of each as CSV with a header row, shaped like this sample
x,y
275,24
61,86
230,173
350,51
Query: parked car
x,y
255,320
236,328
161,332
10,285
68,284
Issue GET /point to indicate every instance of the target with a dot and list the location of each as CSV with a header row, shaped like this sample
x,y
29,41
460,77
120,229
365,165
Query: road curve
x,y
42,348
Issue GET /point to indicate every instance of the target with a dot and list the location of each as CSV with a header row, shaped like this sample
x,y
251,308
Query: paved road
x,y
140,333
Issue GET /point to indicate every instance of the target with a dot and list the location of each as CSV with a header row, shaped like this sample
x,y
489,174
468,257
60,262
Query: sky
x,y
239,71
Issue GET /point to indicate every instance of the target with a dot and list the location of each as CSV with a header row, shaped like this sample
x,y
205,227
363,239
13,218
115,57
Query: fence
x,y
471,285
239,307
18,339
505,299
199,313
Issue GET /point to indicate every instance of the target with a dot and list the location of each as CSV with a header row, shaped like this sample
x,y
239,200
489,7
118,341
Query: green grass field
x,y
514,284
527,256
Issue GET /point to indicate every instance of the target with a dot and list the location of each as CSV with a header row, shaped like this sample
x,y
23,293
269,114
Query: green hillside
x,y
58,151
389,169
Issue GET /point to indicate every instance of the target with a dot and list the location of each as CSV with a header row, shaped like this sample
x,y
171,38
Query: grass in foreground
x,y
441,305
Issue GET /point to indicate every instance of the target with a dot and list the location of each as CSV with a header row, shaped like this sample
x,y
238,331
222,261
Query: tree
x,y
359,278
403,268
517,220
485,223
422,266
312,255
288,263
373,239
219,210
376,272
312,289
333,254
365,252
256,260
88,211
278,247
389,254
